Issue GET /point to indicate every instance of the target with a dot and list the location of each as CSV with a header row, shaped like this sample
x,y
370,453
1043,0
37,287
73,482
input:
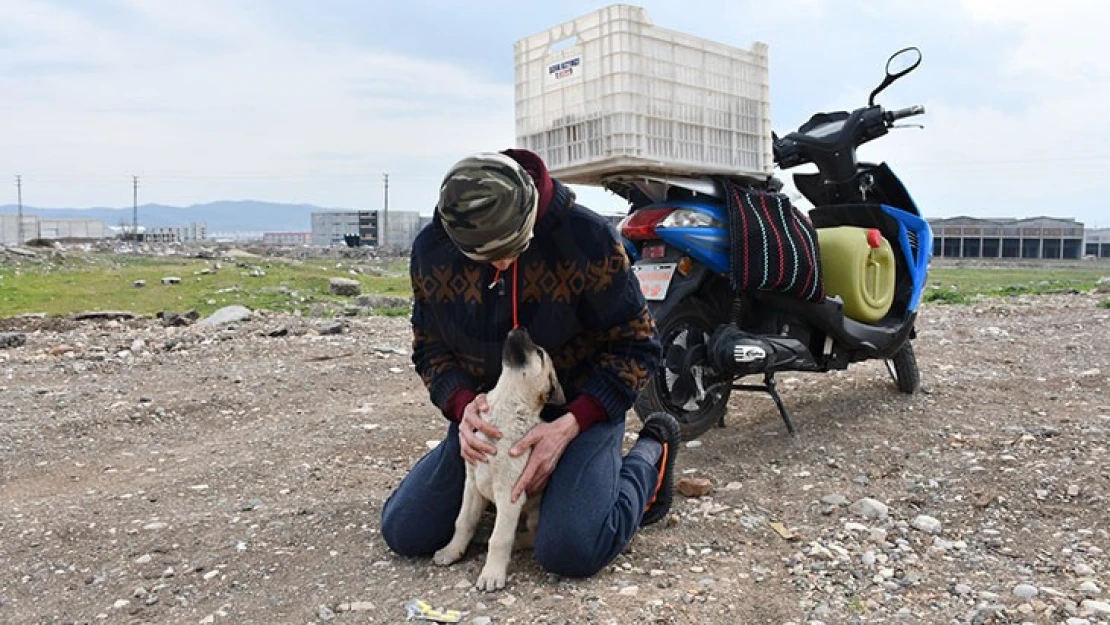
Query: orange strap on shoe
x,y
662,471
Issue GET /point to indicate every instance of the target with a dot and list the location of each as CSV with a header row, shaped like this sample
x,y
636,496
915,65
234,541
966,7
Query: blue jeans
x,y
592,504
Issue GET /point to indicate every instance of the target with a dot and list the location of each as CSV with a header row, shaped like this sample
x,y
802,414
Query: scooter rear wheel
x,y
681,384
903,368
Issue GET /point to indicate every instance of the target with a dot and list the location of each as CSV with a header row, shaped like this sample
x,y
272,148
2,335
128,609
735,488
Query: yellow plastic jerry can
x,y
857,264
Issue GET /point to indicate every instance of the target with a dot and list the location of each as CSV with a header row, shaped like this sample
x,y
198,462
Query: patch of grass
x,y
394,312
104,282
83,282
1104,303
946,296
856,606
959,285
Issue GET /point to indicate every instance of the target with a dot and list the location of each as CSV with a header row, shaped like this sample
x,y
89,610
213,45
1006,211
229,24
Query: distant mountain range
x,y
222,216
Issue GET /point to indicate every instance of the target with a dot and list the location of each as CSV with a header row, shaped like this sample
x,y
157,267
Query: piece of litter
x,y
421,610
781,530
356,606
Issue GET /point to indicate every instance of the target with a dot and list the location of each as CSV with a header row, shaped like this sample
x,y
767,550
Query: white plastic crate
x,y
611,93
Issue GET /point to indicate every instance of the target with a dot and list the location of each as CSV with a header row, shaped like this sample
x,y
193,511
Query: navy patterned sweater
x,y
574,293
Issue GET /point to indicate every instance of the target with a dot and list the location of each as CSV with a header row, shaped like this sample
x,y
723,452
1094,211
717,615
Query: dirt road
x,y
236,475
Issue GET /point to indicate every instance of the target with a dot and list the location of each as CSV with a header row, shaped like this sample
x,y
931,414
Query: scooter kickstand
x,y
769,382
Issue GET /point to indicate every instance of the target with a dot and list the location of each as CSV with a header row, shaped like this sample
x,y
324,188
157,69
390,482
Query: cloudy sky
x,y
312,100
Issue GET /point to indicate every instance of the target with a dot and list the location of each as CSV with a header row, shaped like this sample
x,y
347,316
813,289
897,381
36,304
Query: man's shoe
x,y
664,428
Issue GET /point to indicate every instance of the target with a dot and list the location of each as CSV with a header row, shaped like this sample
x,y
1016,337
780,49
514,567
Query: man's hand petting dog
x,y
548,442
474,449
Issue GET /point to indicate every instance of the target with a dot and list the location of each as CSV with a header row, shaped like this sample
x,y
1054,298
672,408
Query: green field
x,y
962,284
100,282
104,282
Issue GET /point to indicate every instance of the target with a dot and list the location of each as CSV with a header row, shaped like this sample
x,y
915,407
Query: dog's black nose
x,y
518,344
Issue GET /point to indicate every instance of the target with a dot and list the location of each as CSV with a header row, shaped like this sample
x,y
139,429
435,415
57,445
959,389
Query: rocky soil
x,y
235,473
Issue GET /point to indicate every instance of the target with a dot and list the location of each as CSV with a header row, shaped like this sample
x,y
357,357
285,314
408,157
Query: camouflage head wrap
x,y
487,203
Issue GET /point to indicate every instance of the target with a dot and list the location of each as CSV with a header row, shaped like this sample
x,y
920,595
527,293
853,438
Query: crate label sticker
x,y
565,69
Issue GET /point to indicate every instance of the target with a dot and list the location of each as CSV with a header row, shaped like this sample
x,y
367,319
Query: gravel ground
x,y
236,473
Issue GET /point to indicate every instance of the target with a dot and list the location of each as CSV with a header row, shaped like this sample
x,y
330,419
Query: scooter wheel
x,y
681,332
903,368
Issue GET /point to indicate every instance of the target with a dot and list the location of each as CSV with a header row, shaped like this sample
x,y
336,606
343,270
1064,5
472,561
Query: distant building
x,y
332,228
10,230
1036,238
1097,243
35,227
195,231
401,228
71,229
295,239
159,235
235,236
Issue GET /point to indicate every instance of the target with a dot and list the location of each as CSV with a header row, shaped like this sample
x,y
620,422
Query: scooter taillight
x,y
640,225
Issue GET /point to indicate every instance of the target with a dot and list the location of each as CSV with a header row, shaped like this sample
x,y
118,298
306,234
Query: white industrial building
x,y
195,231
71,229
287,238
10,230
330,228
1034,237
35,227
401,228
1097,243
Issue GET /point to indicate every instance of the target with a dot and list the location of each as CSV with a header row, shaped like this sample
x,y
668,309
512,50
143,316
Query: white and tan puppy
x,y
527,382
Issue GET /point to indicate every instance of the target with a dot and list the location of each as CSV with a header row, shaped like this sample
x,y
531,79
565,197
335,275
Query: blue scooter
x,y
684,237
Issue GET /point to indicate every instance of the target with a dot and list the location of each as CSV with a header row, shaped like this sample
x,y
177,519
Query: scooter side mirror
x,y
898,65
902,62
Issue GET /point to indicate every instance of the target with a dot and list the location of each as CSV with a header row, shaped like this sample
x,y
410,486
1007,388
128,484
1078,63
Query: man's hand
x,y
474,449
548,442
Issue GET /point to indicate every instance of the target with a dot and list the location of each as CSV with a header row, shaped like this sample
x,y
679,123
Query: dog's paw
x,y
491,580
446,556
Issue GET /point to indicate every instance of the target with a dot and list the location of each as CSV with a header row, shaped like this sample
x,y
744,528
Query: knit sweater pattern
x,y
574,293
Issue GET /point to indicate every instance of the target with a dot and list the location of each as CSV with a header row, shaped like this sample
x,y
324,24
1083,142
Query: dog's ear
x,y
555,393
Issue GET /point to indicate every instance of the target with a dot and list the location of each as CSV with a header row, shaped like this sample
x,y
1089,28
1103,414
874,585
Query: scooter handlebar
x,y
893,116
872,122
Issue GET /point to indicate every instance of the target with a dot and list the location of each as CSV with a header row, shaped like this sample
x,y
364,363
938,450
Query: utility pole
x,y
19,219
385,214
134,208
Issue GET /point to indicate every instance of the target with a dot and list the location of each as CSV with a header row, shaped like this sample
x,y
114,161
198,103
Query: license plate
x,y
654,279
